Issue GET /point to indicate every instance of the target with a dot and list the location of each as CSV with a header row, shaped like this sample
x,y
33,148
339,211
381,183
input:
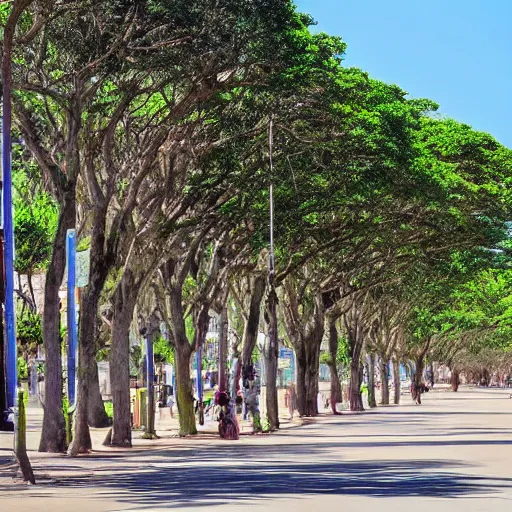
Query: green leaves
x,y
35,216
163,351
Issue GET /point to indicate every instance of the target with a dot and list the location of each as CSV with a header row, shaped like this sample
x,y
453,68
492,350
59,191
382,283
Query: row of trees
x,y
158,128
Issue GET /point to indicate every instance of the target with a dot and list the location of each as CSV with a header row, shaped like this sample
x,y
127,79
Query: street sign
x,y
82,268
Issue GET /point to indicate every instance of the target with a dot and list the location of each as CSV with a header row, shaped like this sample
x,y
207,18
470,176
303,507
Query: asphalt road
x,y
452,453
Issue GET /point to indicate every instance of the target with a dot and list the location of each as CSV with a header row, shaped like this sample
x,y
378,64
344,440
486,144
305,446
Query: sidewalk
x,y
167,430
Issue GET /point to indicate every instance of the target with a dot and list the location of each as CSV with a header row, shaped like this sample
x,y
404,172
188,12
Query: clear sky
x,y
455,52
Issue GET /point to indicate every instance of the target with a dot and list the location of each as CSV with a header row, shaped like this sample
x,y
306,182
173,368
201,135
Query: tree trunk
x,y
455,380
300,354
418,379
372,402
312,371
384,380
396,380
271,361
185,397
81,442
307,344
53,435
125,299
355,339
96,415
336,395
183,353
20,444
356,399
253,319
307,374
31,288
87,365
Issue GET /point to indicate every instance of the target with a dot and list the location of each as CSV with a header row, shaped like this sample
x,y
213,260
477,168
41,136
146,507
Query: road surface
x,y
452,453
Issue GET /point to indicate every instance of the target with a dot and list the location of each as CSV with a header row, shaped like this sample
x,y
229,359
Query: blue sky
x,y
455,52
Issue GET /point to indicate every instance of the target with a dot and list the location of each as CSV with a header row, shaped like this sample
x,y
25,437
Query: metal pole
x,y
271,266
7,222
223,348
199,364
150,372
272,361
71,314
3,391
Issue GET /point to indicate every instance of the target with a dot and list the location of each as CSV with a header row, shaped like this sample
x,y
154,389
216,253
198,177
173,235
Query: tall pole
x,y
71,315
223,348
199,370
3,396
271,366
7,220
271,261
150,372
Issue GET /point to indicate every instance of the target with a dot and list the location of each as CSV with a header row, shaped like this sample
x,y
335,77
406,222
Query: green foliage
x,y
136,360
163,351
342,353
22,369
29,330
109,409
371,191
35,216
35,223
67,418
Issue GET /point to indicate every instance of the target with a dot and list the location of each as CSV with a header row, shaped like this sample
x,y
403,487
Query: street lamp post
x,y
273,351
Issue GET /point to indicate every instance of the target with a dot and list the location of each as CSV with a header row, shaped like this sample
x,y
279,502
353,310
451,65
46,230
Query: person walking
x,y
170,404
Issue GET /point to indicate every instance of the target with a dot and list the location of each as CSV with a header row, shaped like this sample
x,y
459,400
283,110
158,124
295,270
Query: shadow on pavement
x,y
237,473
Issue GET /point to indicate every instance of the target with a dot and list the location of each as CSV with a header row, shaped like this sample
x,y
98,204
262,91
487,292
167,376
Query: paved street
x,y
452,453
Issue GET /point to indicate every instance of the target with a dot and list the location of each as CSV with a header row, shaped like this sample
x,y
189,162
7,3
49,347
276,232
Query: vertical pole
x,y
3,396
71,314
7,218
199,364
273,353
223,348
150,372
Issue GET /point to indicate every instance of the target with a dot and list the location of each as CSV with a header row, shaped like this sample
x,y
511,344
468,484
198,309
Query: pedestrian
x,y
170,404
160,405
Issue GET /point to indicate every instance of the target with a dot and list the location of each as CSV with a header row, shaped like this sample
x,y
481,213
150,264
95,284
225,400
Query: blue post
x,y
199,365
71,314
150,363
11,352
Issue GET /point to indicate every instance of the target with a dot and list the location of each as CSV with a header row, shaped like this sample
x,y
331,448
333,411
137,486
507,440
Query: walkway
x,y
453,453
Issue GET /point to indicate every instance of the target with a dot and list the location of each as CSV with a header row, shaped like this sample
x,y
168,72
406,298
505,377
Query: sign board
x,y
82,268
286,363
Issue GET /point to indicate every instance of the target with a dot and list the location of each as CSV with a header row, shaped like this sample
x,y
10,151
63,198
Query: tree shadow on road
x,y
238,473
